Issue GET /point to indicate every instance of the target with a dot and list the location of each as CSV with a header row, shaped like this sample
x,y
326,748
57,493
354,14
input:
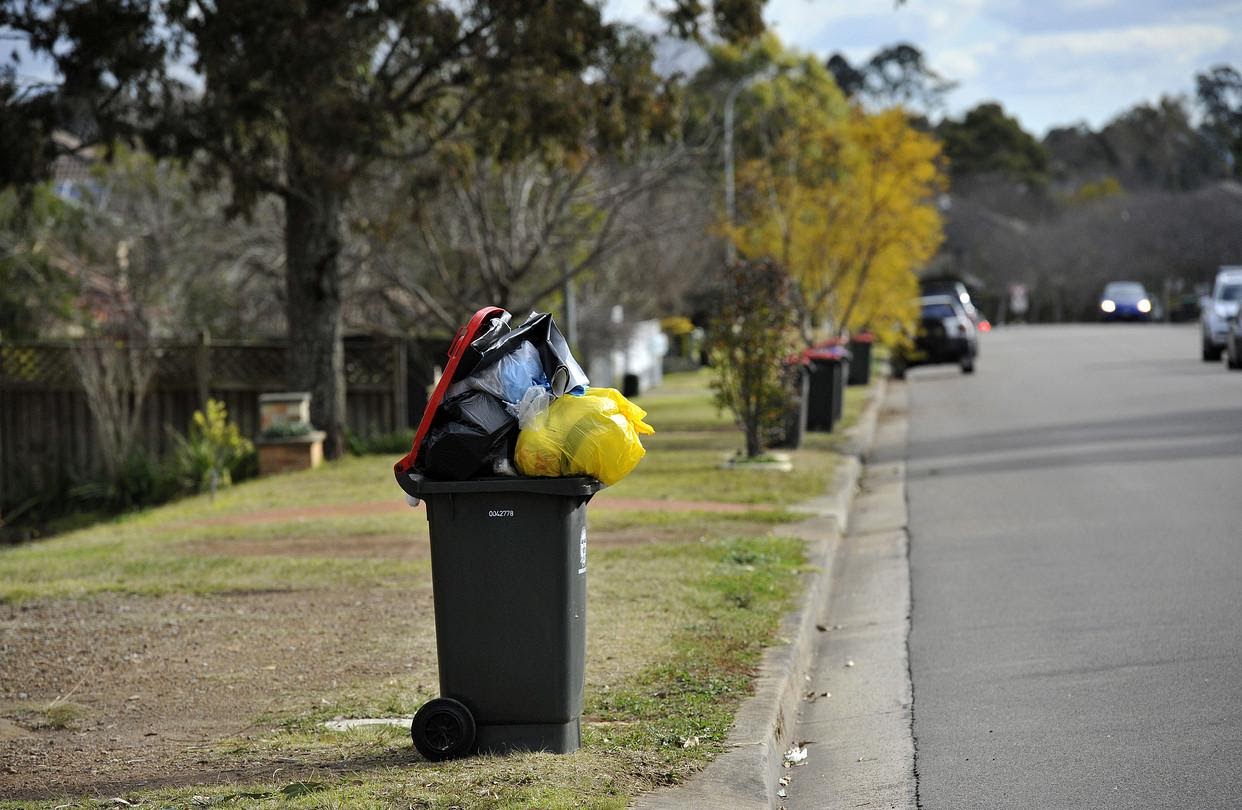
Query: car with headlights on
x,y
1125,301
1217,312
946,334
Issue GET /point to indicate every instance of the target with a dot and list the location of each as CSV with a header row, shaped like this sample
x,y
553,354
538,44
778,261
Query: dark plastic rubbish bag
x,y
470,430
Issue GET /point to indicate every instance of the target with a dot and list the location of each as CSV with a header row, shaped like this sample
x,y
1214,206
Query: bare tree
x,y
146,255
513,235
116,376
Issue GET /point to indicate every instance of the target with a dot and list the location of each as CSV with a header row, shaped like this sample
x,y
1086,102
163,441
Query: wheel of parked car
x,y
968,364
1211,354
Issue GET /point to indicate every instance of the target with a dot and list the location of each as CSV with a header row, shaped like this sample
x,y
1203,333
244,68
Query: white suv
x,y
1216,313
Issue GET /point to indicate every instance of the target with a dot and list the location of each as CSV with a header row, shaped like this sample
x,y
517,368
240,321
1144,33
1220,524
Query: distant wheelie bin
x,y
798,385
829,369
508,568
860,358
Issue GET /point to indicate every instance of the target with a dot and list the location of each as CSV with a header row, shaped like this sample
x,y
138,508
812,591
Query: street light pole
x,y
730,202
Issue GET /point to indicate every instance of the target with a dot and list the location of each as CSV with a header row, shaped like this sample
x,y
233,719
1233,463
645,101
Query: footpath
x,y
829,723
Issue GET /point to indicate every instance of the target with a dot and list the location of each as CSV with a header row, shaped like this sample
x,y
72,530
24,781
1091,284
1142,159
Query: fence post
x,y
202,368
400,387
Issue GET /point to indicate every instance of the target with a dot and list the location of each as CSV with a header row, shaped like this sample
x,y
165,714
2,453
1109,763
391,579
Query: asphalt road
x,y
1075,521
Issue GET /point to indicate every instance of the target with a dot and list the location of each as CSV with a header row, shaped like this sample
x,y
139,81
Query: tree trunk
x,y
313,280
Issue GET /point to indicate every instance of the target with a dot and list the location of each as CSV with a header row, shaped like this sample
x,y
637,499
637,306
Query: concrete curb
x,y
746,775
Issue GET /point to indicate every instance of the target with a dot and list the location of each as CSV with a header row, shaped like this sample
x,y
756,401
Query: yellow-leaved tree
x,y
849,207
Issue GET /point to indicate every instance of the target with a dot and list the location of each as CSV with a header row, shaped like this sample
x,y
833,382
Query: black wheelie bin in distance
x,y
797,407
860,358
829,370
508,569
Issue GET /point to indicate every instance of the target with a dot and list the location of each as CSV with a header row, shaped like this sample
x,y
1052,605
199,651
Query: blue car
x,y
1125,301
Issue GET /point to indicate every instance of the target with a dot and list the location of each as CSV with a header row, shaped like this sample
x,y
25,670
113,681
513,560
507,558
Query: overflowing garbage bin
x,y
512,446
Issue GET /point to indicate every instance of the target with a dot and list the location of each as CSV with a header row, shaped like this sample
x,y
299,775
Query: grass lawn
x,y
264,613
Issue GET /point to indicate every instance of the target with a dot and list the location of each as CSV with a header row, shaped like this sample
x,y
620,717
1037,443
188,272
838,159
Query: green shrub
x,y
752,335
286,430
140,481
397,443
213,450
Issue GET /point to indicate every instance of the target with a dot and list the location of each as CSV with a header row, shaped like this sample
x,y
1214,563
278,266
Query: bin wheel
x,y
443,729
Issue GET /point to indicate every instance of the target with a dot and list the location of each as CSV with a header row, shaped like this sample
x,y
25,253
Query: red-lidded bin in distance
x,y
829,369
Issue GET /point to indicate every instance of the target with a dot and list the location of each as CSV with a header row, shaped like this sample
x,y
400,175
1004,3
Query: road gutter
x,y
747,774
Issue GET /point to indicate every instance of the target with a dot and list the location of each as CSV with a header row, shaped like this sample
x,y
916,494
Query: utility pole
x,y
730,195
730,201
571,310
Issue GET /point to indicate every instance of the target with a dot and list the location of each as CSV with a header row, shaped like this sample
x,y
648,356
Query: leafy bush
x,y
383,444
140,481
752,335
286,430
213,451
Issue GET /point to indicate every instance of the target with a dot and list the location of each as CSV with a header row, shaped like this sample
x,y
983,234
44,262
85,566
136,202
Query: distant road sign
x,y
1019,300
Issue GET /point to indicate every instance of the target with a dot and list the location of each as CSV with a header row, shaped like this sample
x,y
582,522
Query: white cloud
x,y
960,65
1047,61
1187,40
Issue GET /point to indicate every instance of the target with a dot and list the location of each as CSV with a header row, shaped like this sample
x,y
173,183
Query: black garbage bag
x,y
470,432
558,361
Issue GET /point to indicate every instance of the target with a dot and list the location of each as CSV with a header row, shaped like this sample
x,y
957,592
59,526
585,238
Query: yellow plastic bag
x,y
595,434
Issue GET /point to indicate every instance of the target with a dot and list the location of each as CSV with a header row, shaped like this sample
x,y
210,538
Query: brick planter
x,y
290,454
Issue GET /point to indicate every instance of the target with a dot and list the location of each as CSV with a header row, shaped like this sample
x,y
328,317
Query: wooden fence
x,y
47,437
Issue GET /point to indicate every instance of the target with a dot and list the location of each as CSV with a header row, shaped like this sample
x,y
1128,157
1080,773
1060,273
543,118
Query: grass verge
x,y
682,604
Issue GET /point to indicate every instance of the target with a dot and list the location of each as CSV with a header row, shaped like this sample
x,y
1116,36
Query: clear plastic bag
x,y
508,378
595,434
557,361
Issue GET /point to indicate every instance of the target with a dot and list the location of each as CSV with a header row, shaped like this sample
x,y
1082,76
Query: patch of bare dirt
x,y
145,686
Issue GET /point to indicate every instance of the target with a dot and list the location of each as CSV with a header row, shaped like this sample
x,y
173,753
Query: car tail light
x,y
985,325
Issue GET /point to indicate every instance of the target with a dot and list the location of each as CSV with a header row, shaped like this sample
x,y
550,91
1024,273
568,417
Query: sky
x,y
1048,62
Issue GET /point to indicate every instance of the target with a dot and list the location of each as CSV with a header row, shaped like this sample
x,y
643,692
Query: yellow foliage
x,y
675,325
849,208
1099,190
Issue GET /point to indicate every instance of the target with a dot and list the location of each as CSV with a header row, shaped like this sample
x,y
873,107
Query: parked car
x,y
1217,311
946,334
1233,342
955,289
